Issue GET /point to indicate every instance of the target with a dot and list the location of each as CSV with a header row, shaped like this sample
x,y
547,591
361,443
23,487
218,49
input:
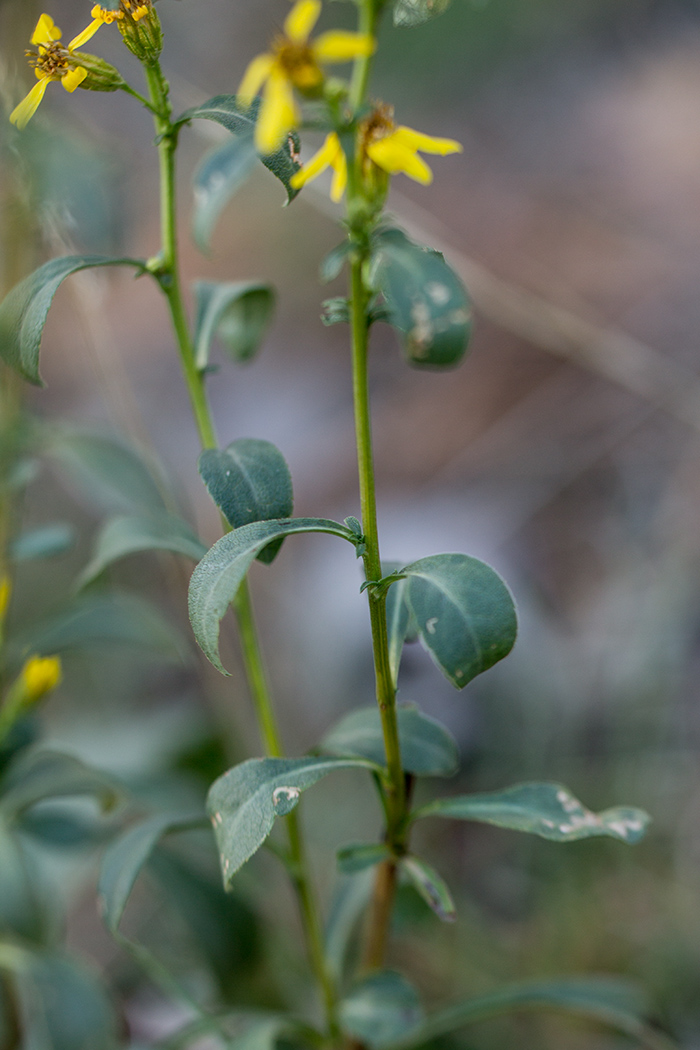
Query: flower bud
x,y
40,675
101,75
141,29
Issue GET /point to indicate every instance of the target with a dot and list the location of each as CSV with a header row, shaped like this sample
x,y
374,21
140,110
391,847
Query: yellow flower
x,y
39,676
395,149
295,62
330,155
52,61
103,16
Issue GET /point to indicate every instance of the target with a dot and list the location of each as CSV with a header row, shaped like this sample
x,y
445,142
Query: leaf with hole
x,y
218,176
245,802
238,314
464,613
428,749
426,301
24,310
216,579
132,535
381,1009
547,810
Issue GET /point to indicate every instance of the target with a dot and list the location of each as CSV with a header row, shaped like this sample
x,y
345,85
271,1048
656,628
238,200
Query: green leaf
x,y
427,303
464,613
216,579
44,774
244,803
239,314
130,535
216,179
44,542
348,906
415,12
24,910
381,1009
431,886
61,1004
428,749
24,310
352,859
335,311
249,481
401,625
240,120
113,619
611,1001
547,810
108,473
333,263
125,857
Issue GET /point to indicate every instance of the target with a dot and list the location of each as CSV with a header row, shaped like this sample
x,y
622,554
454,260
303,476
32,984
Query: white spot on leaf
x,y
430,624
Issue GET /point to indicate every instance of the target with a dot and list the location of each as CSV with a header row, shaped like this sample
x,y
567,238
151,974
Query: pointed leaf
x,y
244,803
240,120
238,314
131,535
431,886
415,12
24,310
611,1001
44,542
24,909
249,481
401,625
333,263
108,473
352,859
428,749
547,810
381,1009
217,178
125,857
427,303
216,579
464,613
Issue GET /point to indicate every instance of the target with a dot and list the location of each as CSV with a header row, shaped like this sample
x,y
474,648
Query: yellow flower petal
x,y
23,113
301,20
87,33
416,140
393,156
321,160
254,77
340,46
340,176
39,676
74,78
46,31
278,113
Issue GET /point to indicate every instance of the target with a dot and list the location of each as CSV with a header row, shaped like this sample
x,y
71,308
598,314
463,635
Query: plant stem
x,y
170,282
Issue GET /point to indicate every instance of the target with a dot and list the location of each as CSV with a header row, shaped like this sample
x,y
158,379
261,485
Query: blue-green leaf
x,y
426,301
130,535
415,12
24,909
108,473
431,886
547,810
381,1009
352,859
401,625
239,314
43,774
428,749
24,310
125,857
464,613
249,481
244,803
240,120
613,1002
46,541
216,579
349,903
216,179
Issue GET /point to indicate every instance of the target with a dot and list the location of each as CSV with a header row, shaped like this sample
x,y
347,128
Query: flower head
x,y
395,149
295,62
143,38
52,60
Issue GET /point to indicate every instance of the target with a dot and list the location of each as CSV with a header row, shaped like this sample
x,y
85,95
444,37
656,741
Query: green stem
x,y
169,278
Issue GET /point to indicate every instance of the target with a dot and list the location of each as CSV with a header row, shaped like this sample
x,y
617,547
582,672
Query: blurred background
x,y
565,452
